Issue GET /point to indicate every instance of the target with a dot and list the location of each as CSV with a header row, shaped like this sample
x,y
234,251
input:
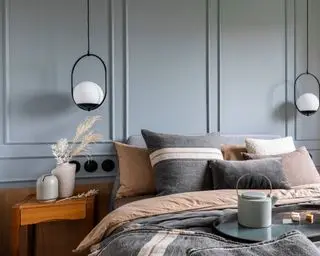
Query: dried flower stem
x,y
63,151
91,192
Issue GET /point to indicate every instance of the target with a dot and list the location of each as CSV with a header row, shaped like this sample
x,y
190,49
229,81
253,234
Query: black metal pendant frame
x,y
307,73
306,113
89,107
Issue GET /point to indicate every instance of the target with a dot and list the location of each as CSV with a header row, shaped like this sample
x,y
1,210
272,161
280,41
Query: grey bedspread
x,y
179,224
190,233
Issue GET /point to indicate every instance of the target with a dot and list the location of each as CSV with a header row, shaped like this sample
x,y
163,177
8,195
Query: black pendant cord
x,y
89,106
307,73
88,26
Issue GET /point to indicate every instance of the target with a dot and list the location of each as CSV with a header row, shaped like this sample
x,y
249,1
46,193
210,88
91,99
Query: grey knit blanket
x,y
190,233
290,244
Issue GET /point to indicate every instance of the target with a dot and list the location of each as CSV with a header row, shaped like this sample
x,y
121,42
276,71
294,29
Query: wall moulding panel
x,y
253,66
175,66
166,65
43,150
307,129
125,67
39,53
213,65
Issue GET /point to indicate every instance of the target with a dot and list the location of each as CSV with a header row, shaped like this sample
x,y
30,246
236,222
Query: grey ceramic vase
x,y
66,174
47,188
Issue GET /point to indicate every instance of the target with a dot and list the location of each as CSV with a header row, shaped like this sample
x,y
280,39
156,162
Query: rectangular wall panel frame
x,y
6,78
311,143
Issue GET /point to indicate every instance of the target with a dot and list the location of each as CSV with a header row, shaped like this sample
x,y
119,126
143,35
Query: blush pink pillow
x,y
298,166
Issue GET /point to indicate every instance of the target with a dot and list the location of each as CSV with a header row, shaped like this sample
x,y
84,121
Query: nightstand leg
x,y
90,215
31,240
15,232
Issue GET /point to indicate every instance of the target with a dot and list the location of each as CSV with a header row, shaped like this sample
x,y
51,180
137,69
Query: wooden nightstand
x,y
30,212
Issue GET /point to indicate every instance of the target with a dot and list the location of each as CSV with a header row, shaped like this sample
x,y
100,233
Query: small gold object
x,y
309,217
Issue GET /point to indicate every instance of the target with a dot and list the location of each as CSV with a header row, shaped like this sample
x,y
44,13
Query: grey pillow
x,y
225,174
180,162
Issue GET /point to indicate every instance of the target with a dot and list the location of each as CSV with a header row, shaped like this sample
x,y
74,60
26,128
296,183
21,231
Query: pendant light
x,y
88,95
307,103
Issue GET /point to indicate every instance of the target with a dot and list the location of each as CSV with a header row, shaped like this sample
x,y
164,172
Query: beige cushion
x,y
270,147
233,151
298,166
136,174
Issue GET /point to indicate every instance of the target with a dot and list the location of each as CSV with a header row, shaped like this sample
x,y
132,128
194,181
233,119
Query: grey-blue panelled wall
x,y
176,66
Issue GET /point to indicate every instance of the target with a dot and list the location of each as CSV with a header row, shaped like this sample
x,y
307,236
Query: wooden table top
x,y
31,202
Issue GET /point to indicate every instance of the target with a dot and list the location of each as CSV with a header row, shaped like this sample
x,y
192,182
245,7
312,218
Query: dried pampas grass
x,y
63,151
84,127
91,192
83,146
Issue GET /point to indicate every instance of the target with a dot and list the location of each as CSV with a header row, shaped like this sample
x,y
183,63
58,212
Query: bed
x,y
181,223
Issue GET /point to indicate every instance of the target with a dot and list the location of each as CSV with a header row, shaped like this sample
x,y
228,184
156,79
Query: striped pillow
x,y
180,162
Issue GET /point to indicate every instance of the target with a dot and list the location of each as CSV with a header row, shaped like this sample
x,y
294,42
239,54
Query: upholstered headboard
x,y
137,140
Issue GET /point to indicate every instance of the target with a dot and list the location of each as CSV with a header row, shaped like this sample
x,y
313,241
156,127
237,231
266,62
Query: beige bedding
x,y
202,200
126,200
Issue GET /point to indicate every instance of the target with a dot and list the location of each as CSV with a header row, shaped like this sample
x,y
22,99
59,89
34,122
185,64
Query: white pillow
x,y
270,147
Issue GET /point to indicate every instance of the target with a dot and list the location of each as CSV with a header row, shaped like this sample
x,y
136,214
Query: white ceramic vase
x,y
66,174
47,188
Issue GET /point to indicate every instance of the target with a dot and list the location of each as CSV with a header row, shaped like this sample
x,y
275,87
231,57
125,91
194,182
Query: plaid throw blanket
x,y
182,223
190,233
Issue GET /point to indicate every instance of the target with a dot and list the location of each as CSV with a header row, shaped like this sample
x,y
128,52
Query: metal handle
x,y
45,176
249,174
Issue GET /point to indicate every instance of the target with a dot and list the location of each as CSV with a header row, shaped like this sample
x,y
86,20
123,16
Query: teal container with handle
x,y
255,207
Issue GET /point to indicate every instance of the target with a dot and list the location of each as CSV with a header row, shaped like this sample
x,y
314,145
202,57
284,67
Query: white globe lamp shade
x,y
88,95
307,104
